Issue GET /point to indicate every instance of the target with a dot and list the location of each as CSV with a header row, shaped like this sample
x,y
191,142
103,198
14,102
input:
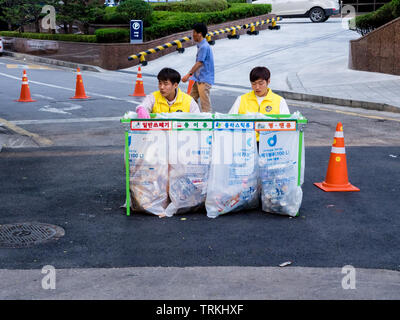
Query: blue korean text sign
x,y
136,31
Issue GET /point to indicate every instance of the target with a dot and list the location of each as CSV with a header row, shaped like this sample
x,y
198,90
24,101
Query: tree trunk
x,y
86,28
37,27
65,28
70,30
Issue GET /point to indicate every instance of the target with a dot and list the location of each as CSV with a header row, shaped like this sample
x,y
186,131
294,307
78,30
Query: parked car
x,y
1,46
316,10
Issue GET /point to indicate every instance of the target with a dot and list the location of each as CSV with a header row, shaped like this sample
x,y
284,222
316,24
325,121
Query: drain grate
x,y
23,235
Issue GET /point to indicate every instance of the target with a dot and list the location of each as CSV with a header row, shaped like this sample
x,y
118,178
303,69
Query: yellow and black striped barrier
x,y
231,30
232,35
253,25
141,55
252,31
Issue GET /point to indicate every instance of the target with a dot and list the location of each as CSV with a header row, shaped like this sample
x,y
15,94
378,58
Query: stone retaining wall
x,y
378,51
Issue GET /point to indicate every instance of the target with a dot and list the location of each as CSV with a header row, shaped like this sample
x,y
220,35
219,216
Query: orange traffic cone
x,y
336,176
25,95
139,89
79,89
190,86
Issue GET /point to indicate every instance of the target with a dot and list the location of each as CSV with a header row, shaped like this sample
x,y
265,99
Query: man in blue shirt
x,y
203,70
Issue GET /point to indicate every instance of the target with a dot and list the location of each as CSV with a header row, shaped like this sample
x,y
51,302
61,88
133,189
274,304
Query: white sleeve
x,y
283,107
235,107
148,103
194,107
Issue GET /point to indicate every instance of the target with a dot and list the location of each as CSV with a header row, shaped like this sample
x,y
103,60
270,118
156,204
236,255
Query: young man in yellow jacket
x,y
261,99
169,98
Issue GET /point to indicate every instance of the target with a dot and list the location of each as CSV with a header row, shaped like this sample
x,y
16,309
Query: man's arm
x,y
195,67
283,107
194,107
235,107
148,103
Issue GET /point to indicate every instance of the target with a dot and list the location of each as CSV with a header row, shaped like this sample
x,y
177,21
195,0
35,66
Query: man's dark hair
x,y
200,28
169,74
259,73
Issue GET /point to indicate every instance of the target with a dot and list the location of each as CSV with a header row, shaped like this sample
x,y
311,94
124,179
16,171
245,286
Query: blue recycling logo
x,y
272,141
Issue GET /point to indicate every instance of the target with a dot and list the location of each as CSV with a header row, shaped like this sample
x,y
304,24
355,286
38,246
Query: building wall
x,y
363,6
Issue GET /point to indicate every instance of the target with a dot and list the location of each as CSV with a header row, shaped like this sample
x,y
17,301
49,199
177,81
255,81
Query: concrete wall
x,y
113,56
378,51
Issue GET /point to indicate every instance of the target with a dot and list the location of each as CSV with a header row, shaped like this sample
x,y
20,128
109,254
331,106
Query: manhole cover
x,y
23,235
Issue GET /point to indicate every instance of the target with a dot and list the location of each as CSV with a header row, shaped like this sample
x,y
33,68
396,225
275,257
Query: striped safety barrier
x,y
178,43
232,35
252,31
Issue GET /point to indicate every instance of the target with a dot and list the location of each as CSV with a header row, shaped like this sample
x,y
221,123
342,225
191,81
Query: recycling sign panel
x,y
136,31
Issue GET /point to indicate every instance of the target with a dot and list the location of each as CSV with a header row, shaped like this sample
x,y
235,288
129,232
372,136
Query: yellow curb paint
x,y
38,139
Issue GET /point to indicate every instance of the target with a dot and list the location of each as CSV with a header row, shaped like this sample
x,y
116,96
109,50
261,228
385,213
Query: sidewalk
x,y
303,57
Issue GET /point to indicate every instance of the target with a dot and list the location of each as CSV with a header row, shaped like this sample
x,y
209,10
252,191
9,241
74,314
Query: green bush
x,y
192,6
237,1
173,22
111,16
134,10
49,36
112,35
373,20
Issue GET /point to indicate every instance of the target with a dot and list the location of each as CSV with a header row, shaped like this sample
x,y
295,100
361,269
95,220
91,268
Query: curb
x,y
339,101
291,95
55,62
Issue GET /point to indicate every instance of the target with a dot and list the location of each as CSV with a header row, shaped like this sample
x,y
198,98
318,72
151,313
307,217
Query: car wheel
x,y
317,14
326,18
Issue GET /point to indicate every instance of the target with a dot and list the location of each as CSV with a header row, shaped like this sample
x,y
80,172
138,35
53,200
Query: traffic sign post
x,y
136,31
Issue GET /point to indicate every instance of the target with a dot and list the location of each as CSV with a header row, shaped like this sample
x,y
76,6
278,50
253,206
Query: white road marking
x,y
72,106
223,88
69,89
53,110
43,97
53,121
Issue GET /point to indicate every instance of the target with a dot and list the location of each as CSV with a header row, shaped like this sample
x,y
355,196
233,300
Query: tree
x,y
85,11
21,12
135,10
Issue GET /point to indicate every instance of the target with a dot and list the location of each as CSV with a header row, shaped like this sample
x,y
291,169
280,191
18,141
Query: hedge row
x,y
165,23
373,20
49,36
112,35
192,6
173,22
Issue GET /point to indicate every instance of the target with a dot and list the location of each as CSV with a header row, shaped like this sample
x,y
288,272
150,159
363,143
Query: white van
x,y
316,10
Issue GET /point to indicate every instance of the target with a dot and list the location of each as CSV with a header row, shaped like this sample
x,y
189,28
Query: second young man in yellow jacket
x,y
169,98
261,99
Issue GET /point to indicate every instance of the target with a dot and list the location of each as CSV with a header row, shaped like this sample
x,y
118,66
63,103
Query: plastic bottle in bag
x,y
279,172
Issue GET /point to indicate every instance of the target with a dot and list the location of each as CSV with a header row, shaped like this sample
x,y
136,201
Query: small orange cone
x,y
80,89
139,89
191,83
336,176
25,95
